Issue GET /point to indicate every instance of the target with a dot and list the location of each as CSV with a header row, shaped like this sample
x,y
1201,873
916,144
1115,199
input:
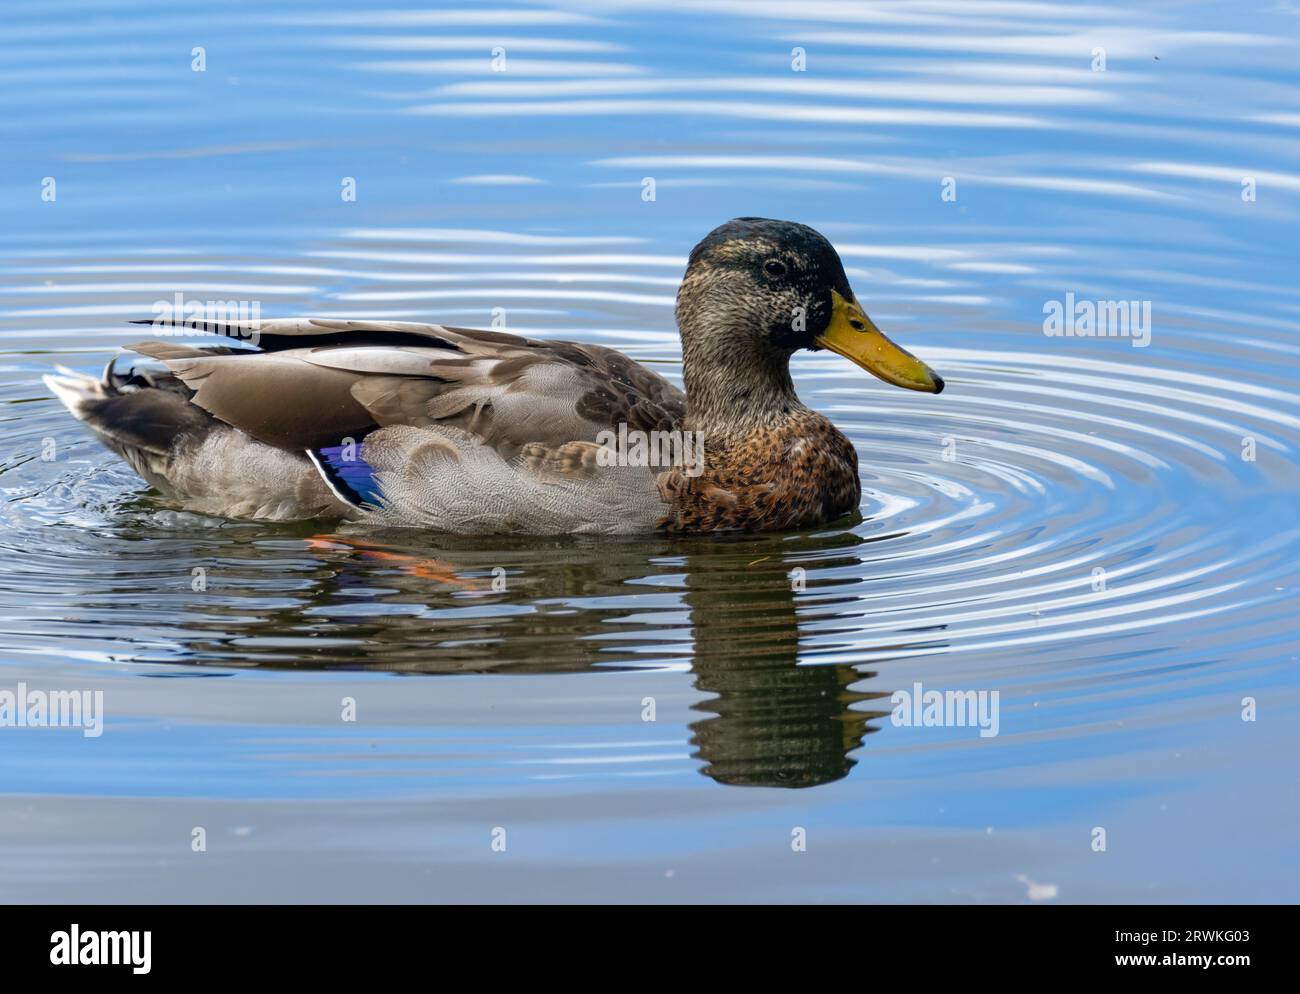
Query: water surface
x,y
1105,535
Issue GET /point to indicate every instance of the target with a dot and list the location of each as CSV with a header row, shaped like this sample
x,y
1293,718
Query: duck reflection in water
x,y
771,722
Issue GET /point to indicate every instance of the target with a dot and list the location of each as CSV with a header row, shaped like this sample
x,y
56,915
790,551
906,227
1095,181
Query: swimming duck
x,y
481,432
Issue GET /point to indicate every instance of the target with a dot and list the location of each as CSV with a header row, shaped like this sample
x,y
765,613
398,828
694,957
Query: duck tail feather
x,y
77,391
128,410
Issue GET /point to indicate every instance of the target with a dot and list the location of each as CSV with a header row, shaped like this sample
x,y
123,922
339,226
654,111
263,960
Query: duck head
x,y
756,291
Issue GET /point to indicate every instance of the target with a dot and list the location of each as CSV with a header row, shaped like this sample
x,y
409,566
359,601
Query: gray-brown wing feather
x,y
507,390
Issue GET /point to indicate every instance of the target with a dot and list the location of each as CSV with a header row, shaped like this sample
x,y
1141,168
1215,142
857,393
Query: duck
x,y
476,432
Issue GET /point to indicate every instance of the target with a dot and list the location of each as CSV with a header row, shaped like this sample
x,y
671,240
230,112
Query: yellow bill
x,y
853,335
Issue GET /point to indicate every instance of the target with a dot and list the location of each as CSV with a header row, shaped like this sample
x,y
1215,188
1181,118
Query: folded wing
x,y
316,382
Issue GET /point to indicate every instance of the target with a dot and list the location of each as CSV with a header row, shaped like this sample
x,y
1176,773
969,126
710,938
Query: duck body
x,y
479,432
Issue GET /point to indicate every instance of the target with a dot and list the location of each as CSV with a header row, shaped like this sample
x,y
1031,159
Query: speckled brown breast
x,y
797,473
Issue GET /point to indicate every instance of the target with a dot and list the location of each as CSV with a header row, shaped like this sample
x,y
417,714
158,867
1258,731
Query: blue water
x,y
973,162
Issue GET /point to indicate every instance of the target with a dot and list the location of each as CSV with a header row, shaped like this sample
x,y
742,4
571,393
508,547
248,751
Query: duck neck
x,y
733,389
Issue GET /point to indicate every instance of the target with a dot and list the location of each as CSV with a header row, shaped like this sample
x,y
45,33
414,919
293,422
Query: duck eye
x,y
774,267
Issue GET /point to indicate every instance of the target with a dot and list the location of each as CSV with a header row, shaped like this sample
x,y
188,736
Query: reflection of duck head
x,y
780,725
775,723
